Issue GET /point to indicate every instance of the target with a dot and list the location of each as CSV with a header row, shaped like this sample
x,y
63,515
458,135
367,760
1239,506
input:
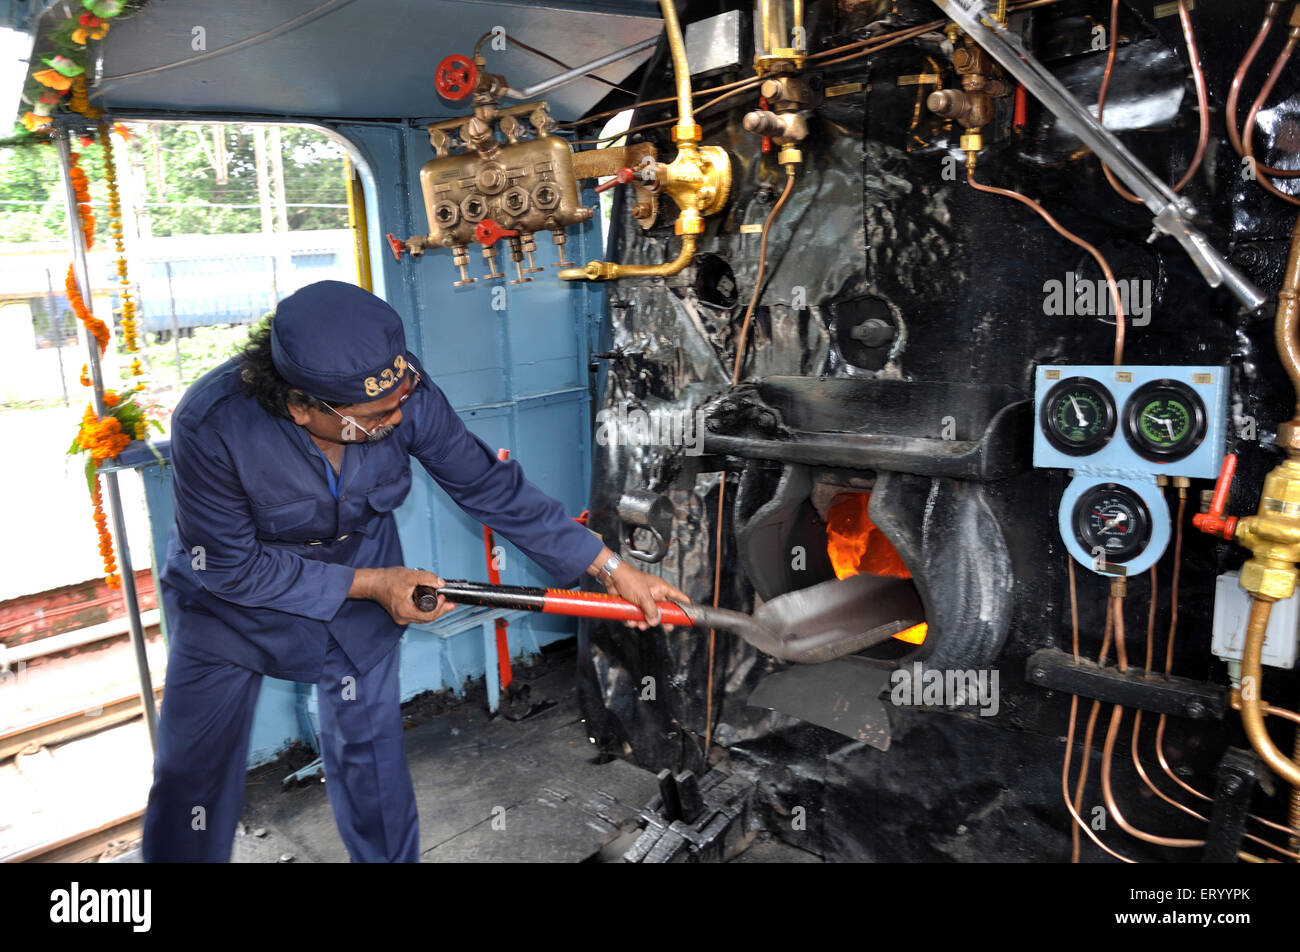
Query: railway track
x,y
72,724
83,846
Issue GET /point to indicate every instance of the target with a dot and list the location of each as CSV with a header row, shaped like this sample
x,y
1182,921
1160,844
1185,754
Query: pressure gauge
x,y
1078,416
1164,420
1112,523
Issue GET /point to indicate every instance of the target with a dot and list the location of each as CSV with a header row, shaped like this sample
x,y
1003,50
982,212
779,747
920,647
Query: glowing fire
x,y
855,545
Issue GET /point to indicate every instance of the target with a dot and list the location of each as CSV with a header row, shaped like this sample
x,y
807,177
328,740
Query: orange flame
x,y
856,545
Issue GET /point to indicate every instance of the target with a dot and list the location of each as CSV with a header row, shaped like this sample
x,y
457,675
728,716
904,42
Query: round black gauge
x,y
1113,520
1078,416
1164,420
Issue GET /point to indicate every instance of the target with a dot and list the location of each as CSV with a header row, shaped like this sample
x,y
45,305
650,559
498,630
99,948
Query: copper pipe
x,y
1198,82
722,483
1252,716
1121,648
1065,791
1116,718
1230,110
1288,315
1234,699
1068,236
1137,727
1169,667
1173,585
1085,763
1247,131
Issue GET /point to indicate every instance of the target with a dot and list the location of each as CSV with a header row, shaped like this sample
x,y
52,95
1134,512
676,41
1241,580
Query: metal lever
x,y
1171,214
1213,522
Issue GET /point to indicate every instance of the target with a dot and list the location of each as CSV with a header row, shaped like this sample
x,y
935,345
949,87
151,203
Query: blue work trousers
x,y
202,760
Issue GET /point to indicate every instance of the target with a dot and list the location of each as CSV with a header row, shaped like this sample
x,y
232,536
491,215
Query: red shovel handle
x,y
550,601
561,601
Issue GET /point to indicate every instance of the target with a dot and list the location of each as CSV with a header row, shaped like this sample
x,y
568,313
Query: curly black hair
x,y
261,380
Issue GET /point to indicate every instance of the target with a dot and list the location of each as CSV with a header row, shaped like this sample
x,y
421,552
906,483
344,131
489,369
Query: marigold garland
x,y
81,185
106,552
79,100
102,438
115,220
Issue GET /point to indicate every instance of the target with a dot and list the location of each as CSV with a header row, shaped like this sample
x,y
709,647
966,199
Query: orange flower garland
x,y
81,186
79,101
93,324
102,439
115,218
105,539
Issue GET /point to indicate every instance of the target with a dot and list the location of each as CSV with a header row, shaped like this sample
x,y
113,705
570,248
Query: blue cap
x,y
339,343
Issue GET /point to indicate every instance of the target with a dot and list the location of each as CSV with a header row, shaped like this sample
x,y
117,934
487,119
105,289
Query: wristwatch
x,y
606,571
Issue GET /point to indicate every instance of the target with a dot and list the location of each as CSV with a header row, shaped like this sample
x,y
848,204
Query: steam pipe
x,y
1288,316
610,270
681,71
1252,714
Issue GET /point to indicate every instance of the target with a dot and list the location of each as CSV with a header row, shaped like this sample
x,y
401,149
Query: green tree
x,y
201,179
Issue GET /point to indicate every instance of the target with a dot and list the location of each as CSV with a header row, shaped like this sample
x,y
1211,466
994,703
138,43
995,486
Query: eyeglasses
x,y
377,420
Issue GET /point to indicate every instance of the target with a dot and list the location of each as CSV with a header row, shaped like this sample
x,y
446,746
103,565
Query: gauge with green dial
x,y
1078,416
1164,420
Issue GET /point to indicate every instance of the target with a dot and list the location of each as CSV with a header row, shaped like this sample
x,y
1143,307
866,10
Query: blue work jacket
x,y
261,557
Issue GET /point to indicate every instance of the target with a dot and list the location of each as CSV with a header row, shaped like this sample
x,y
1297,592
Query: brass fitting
x,y
610,270
1273,535
698,179
972,141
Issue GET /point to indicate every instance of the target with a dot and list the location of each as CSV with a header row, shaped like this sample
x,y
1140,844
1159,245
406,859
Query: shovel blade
x,y
866,609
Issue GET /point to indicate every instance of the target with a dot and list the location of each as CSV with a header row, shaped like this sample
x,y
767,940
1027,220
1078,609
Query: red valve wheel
x,y
456,76
396,244
488,232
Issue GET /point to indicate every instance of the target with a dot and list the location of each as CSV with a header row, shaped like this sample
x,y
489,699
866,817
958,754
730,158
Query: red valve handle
x,y
489,232
766,146
1213,521
456,76
622,177
396,244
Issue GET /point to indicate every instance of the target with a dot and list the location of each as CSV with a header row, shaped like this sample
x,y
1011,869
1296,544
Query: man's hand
x,y
394,587
642,589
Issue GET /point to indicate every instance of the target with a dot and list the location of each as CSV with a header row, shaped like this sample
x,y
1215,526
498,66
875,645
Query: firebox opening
x,y
856,546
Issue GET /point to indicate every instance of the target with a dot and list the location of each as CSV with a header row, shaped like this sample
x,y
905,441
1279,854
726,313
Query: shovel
x,y
827,621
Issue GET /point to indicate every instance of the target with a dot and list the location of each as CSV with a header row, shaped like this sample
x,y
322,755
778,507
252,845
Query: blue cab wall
x,y
518,376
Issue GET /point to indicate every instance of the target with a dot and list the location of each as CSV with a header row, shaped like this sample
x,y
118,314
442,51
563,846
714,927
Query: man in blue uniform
x,y
288,462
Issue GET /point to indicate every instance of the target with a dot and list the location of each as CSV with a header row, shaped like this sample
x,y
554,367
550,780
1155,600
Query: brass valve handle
x,y
1214,522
